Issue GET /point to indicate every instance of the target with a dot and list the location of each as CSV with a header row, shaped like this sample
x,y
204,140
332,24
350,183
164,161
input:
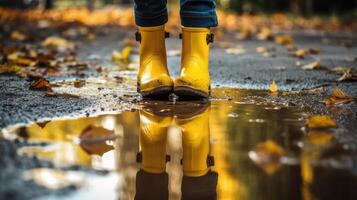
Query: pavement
x,y
248,70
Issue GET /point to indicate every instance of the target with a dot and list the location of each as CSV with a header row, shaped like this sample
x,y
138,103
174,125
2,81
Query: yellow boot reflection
x,y
151,179
198,182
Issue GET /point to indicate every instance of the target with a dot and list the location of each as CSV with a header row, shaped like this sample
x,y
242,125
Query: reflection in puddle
x,y
244,148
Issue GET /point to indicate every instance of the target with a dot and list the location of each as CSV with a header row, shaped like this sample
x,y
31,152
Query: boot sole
x,y
189,93
162,91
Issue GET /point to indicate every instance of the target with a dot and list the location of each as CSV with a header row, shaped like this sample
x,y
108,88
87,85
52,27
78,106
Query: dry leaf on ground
x,y
265,34
315,51
41,84
301,53
273,87
235,51
320,121
59,43
9,69
79,83
337,97
312,66
284,40
57,94
347,76
18,36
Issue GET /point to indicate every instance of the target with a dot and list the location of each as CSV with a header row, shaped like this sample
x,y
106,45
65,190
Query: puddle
x,y
243,145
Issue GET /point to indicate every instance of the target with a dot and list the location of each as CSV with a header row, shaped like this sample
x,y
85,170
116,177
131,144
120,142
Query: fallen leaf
x,y
284,40
319,137
320,121
315,51
9,69
18,36
41,84
312,66
94,140
340,70
57,94
273,87
265,34
301,53
245,33
79,83
347,76
125,53
337,97
235,51
261,49
59,43
265,153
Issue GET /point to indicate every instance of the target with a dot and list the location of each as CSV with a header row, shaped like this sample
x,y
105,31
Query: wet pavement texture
x,y
96,138
246,148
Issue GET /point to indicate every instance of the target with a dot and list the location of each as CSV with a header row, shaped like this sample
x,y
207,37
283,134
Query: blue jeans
x,y
194,13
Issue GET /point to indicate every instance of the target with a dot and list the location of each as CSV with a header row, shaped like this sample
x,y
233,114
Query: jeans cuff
x,y
145,20
194,19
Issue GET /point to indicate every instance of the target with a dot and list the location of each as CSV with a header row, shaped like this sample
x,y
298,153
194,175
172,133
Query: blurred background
x,y
303,7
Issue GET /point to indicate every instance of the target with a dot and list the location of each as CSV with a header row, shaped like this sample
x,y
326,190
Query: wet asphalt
x,y
250,70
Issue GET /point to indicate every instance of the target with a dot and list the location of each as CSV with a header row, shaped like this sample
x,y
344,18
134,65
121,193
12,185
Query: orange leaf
x,y
273,87
320,121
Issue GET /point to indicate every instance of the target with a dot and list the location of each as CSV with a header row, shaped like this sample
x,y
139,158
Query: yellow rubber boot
x,y
194,79
153,133
153,76
195,144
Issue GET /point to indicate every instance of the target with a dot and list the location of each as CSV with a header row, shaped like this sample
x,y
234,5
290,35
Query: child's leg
x,y
198,13
150,12
153,76
197,16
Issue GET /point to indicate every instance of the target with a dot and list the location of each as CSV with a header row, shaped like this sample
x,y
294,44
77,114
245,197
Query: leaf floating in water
x,y
320,121
267,155
94,140
319,137
55,179
41,84
273,87
337,97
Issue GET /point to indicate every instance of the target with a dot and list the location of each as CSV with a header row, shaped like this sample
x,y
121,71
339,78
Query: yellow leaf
x,y
267,155
16,35
273,87
313,65
284,40
9,69
265,34
125,53
319,138
116,56
320,121
337,97
301,53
